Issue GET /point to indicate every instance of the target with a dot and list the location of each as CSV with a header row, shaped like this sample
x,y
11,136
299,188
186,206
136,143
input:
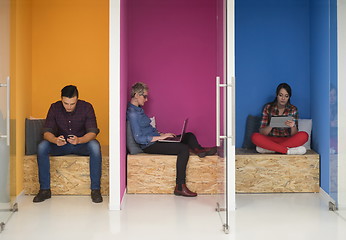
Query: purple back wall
x,y
172,47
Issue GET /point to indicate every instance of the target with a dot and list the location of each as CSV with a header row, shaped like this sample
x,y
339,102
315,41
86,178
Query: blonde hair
x,y
139,88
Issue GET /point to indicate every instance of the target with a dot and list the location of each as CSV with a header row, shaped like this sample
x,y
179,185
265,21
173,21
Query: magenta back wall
x,y
172,46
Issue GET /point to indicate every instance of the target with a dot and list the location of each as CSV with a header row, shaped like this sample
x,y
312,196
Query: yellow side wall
x,y
20,87
70,46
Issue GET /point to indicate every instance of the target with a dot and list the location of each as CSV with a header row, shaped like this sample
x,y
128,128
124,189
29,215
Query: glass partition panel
x,y
221,203
6,208
5,202
339,129
221,206
333,112
225,90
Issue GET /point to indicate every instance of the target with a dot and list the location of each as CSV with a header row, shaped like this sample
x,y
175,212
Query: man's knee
x,y
188,134
94,146
43,147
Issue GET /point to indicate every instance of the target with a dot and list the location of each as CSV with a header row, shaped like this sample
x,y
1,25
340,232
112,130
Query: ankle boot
x,y
209,151
182,190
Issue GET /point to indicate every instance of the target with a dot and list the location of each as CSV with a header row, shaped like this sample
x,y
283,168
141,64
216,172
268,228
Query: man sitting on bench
x,y
70,128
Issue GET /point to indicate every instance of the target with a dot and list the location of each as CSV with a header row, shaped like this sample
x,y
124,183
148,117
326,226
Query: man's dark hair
x,y
69,91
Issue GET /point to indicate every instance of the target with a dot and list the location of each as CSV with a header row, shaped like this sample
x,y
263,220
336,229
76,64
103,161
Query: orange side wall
x,y
70,46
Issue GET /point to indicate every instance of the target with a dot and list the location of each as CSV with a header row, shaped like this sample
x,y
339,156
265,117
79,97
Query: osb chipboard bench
x,y
268,173
156,173
69,174
255,173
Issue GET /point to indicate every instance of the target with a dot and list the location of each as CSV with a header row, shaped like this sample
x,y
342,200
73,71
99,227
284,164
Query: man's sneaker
x,y
296,150
96,196
262,150
42,195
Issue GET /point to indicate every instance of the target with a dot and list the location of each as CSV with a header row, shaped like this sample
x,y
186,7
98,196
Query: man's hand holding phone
x,y
60,141
72,139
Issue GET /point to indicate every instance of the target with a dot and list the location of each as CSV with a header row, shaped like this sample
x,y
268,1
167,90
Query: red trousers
x,y
279,144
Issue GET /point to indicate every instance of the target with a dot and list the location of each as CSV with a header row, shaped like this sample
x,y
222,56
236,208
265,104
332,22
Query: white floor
x,y
258,216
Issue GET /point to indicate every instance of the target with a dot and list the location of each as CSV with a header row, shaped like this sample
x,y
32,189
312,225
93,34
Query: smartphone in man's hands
x,y
61,138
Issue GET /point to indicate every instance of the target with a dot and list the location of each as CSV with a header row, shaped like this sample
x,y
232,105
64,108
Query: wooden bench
x,y
255,173
155,173
264,173
69,175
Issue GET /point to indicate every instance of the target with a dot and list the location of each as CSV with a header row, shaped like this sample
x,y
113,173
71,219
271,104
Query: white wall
x,y
114,105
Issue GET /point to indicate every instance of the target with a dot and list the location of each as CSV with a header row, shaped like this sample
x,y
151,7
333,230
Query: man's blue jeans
x,y
91,149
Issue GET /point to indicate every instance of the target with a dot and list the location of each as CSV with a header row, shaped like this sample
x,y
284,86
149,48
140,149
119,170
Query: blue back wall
x,y
272,43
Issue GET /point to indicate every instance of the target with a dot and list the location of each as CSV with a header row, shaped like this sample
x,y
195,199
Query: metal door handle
x,y
218,86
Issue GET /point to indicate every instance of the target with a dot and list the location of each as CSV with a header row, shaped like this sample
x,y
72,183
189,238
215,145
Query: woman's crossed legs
x,y
279,144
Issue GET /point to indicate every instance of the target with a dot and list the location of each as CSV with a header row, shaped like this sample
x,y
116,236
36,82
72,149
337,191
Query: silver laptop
x,y
177,138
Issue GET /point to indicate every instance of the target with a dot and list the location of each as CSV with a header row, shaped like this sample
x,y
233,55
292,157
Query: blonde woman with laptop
x,y
148,138
279,126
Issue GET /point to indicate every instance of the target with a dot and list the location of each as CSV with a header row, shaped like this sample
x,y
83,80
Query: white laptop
x,y
177,138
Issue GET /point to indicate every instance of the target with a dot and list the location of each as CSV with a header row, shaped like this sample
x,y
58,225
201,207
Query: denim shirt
x,y
142,131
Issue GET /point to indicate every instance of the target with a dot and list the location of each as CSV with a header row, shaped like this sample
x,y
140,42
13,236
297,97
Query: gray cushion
x,y
33,135
131,145
253,124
